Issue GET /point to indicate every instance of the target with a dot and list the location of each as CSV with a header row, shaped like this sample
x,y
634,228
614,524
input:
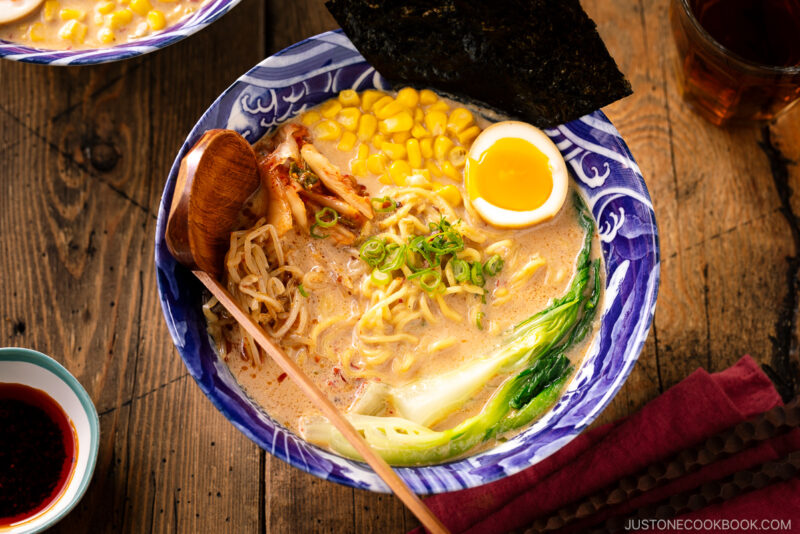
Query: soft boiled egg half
x,y
515,176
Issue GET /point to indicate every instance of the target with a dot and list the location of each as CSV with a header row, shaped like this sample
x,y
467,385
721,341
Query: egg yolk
x,y
511,174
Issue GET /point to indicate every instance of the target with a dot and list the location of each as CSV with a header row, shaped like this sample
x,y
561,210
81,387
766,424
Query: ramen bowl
x,y
185,27
603,171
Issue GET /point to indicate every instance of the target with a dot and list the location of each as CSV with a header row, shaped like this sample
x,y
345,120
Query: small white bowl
x,y
34,369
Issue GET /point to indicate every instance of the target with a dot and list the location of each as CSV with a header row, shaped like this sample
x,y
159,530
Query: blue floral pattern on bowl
x,y
195,22
604,171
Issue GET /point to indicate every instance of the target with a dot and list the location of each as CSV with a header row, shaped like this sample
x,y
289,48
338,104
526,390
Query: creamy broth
x,y
81,24
336,305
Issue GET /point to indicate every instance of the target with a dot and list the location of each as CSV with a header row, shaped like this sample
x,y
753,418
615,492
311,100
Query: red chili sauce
x,y
38,449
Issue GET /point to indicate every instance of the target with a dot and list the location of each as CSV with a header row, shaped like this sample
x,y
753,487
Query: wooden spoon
x,y
215,178
11,10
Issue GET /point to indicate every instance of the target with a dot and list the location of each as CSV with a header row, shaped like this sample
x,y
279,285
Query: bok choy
x,y
533,353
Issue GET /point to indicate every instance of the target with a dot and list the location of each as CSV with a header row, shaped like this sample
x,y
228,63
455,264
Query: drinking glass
x,y
723,86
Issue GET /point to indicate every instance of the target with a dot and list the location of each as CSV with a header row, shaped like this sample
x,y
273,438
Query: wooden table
x,y
84,153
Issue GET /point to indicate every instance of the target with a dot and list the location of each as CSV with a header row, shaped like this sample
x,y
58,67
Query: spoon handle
x,y
378,464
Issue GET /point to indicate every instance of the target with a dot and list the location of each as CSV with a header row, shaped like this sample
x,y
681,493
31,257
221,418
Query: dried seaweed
x,y
538,60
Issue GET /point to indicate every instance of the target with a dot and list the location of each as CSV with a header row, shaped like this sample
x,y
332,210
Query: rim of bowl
x,y
411,475
710,40
21,354
186,27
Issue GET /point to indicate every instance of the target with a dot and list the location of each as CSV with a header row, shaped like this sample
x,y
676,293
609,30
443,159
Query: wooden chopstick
x,y
395,483
731,441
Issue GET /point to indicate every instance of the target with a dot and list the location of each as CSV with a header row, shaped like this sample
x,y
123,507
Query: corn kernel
x,y
394,150
414,154
310,117
425,173
378,140
450,171
119,19
426,147
105,7
369,97
419,115
457,156
418,180
419,131
347,142
36,33
140,7
367,125
390,109
467,136
328,130
402,122
381,102
436,122
449,193
399,172
401,137
426,97
68,13
385,179
50,10
408,96
330,108
358,167
156,20
441,147
376,163
362,152
459,120
433,169
348,117
73,31
105,36
348,97
441,105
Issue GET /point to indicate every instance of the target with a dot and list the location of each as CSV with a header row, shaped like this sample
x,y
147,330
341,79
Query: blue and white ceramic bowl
x,y
198,20
604,171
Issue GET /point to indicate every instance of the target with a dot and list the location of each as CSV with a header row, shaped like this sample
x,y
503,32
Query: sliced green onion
x,y
460,269
373,251
493,265
417,244
302,290
314,234
429,279
479,319
476,274
383,204
327,217
395,257
380,278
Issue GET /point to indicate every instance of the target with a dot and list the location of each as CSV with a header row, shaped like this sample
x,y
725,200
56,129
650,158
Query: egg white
x,y
505,218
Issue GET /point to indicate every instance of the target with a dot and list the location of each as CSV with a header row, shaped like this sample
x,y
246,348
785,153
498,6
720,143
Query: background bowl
x,y
198,20
34,369
603,169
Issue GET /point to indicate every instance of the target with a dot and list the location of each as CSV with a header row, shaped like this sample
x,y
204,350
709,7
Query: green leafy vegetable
x,y
302,290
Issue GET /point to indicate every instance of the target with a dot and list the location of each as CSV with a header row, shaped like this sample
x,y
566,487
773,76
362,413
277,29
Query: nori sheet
x,y
538,60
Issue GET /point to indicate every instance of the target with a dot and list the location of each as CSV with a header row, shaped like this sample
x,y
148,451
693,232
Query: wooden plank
x,y
85,155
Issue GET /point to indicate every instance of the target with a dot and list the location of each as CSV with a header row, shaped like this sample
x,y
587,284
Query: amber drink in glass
x,y
739,60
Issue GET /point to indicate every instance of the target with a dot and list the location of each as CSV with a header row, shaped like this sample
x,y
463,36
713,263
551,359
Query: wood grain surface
x,y
85,151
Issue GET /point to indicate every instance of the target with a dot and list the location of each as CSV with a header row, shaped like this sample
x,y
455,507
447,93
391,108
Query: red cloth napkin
x,y
701,405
